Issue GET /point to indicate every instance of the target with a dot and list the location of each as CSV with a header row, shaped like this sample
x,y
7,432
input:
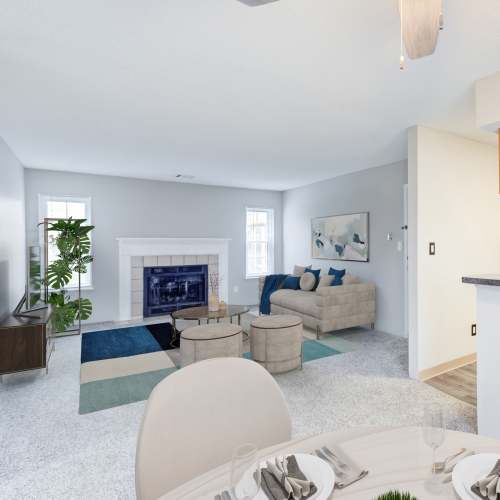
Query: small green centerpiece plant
x,y
396,495
73,244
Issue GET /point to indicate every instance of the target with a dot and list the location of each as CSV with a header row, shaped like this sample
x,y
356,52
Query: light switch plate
x,y
432,248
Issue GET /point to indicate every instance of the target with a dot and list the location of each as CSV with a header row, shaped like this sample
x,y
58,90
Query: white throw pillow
x,y
307,282
298,271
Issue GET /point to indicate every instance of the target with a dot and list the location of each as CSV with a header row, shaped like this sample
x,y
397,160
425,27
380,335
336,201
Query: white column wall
x,y
453,202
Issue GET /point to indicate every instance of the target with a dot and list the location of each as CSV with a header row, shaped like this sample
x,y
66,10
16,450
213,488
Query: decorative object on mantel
x,y
340,237
396,495
213,294
71,237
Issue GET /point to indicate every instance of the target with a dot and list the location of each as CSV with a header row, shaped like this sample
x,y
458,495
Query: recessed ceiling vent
x,y
256,3
183,177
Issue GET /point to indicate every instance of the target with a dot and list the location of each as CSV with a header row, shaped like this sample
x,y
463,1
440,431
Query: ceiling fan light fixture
x,y
256,3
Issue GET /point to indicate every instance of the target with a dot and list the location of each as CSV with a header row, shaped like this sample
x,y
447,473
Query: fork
x,y
330,453
440,466
324,457
343,483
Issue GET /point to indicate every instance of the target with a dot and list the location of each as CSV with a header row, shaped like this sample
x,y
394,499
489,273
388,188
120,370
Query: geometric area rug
x,y
122,366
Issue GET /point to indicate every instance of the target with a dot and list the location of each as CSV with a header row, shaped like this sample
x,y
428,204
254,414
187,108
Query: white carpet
x,y
49,451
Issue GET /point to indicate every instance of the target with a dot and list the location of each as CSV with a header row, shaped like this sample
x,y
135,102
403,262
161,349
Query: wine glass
x,y
434,434
245,472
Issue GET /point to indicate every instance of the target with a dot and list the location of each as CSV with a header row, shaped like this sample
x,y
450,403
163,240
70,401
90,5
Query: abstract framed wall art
x,y
340,237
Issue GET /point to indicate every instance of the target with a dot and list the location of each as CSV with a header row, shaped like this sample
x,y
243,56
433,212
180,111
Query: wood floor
x,y
460,383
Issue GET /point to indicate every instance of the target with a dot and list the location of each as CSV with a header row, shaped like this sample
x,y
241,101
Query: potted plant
x,y
73,243
396,495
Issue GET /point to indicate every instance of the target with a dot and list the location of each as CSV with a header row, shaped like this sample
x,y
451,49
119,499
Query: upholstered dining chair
x,y
196,417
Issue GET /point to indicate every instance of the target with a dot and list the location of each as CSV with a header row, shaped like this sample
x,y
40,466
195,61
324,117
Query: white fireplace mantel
x,y
131,247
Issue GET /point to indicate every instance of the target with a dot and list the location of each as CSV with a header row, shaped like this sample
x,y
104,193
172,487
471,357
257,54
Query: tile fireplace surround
x,y
136,253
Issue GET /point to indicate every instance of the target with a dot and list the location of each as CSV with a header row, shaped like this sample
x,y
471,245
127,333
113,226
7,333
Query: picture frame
x,y
341,237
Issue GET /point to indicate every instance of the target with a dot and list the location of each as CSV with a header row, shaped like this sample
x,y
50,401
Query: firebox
x,y
167,289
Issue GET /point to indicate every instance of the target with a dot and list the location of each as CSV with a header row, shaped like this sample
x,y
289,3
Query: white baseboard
x,y
447,366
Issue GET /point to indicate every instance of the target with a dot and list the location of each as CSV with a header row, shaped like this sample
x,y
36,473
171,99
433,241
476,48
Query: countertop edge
x,y
482,280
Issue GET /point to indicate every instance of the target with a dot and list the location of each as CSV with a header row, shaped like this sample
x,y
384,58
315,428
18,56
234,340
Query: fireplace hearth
x,y
170,288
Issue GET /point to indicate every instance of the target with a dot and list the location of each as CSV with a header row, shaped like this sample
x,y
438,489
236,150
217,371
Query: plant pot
x,y
213,302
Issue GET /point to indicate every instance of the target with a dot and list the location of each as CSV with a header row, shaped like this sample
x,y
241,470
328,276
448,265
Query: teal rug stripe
x,y
315,350
103,394
312,350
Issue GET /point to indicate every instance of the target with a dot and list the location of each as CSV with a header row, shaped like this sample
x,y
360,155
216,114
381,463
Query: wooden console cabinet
x,y
26,343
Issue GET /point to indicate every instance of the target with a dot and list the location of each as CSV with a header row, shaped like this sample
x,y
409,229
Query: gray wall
x,y
376,190
124,207
12,232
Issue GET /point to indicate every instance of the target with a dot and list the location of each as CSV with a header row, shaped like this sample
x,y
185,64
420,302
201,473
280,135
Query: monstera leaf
x,y
83,308
59,274
63,314
81,264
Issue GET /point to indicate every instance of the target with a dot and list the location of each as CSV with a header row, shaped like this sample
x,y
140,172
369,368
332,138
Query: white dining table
x,y
396,458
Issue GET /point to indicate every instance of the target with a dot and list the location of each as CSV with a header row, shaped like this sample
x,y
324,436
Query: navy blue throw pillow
x,y
316,275
336,281
291,283
339,274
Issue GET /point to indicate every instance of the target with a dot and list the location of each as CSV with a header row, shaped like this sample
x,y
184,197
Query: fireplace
x,y
169,288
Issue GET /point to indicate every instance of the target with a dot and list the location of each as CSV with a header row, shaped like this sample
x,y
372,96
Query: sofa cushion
x,y
307,282
295,300
300,270
349,279
324,281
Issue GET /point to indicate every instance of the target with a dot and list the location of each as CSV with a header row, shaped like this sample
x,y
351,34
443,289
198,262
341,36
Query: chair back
x,y
196,417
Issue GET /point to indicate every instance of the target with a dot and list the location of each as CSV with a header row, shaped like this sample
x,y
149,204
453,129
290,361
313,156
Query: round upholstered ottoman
x,y
276,342
210,341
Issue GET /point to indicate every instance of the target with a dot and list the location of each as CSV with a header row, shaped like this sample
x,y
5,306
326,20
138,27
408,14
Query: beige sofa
x,y
328,308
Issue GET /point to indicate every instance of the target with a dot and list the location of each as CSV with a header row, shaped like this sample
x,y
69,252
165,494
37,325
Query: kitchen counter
x,y
482,279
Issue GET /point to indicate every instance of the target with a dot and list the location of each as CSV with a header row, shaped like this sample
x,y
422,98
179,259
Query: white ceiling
x,y
268,97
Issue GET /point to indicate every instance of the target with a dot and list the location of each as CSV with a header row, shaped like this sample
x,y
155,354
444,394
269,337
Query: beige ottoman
x,y
210,341
276,342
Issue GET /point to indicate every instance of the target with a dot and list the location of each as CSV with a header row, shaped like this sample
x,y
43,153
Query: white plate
x,y
315,469
470,470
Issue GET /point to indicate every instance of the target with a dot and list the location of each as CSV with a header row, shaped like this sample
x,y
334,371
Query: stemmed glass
x,y
434,433
245,473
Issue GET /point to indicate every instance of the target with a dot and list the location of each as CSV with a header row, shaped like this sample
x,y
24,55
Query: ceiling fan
x,y
421,21
255,3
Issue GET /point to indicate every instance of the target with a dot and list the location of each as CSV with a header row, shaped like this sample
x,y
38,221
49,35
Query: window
x,y
260,242
64,207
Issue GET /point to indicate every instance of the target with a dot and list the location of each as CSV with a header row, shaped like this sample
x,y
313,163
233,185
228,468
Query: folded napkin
x,y
489,487
282,479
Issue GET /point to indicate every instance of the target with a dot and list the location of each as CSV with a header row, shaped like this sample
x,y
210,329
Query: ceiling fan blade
x,y
421,24
256,3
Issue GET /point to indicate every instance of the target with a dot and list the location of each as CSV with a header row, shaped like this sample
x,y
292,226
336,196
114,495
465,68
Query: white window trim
x,y
270,248
42,213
